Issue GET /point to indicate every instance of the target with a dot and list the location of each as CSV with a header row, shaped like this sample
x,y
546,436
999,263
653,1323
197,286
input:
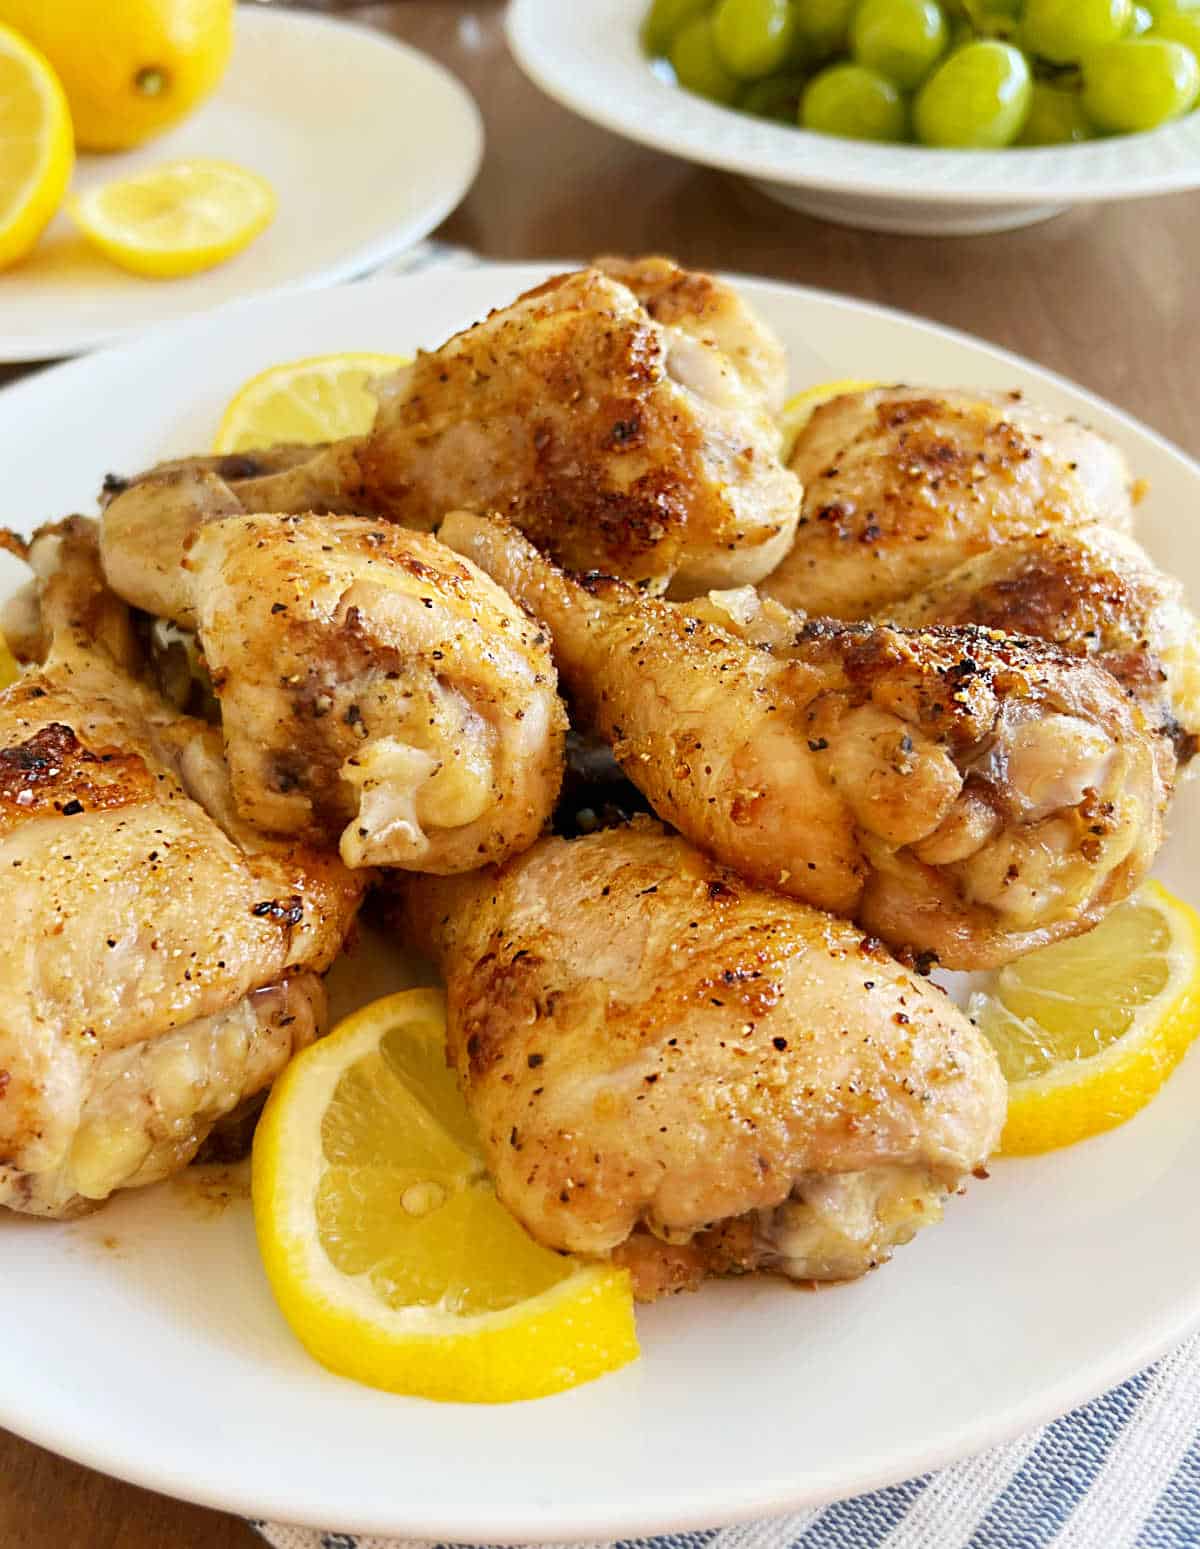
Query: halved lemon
x,y
1087,1030
384,1242
36,145
322,398
176,219
798,410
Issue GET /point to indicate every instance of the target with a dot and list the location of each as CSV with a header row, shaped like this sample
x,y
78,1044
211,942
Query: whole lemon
x,y
130,68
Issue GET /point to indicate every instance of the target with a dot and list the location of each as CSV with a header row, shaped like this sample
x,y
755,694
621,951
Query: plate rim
x,y
72,342
719,1504
711,135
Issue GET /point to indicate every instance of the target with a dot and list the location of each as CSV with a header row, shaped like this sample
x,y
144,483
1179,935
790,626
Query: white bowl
x,y
587,56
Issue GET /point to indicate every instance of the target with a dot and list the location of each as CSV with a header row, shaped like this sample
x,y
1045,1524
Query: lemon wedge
x,y
175,219
1087,1030
322,398
36,146
384,1242
798,410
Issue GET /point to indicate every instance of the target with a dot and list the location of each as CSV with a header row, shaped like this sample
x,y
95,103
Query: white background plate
x,y
145,1342
368,144
587,56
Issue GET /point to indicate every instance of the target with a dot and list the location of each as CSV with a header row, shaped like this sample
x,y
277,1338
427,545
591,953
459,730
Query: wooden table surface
x,y
1108,297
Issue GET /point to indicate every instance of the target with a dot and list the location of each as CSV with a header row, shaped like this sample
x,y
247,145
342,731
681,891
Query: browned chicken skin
x,y
1094,592
672,1067
960,793
903,484
637,438
156,971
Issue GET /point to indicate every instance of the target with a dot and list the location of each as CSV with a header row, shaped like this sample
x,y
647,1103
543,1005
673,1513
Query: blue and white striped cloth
x,y
1122,1472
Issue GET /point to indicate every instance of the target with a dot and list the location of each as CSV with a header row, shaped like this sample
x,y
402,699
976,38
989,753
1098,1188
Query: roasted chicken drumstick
x,y
637,438
373,685
958,792
1094,592
157,969
903,484
676,1069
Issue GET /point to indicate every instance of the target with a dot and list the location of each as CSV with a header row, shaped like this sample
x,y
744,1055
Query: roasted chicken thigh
x,y
156,971
957,791
693,1076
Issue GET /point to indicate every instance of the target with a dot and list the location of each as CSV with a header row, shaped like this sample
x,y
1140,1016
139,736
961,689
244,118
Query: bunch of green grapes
x,y
975,73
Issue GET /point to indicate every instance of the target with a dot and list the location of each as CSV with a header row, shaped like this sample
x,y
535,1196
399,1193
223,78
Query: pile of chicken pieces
x,y
916,697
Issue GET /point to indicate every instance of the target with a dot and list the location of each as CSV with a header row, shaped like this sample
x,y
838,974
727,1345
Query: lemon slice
x,y
36,146
1087,1030
798,410
176,219
10,669
308,401
384,1242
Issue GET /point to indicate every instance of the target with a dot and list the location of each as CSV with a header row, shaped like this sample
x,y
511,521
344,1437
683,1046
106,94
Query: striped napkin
x,y
1122,1472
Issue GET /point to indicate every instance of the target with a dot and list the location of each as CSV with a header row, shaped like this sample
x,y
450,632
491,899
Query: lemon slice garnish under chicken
x,y
798,410
10,669
1087,1030
320,398
384,1242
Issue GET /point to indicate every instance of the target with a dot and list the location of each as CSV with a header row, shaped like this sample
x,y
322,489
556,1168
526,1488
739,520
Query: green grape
x,y
1141,19
1139,83
854,102
665,18
753,37
1055,117
1160,8
971,19
977,98
1180,27
698,66
902,39
822,25
777,97
996,23
979,11
1062,31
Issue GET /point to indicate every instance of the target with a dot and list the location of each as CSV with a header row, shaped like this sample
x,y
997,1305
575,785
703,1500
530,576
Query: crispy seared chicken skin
x,y
157,970
694,1076
1094,592
636,438
903,484
958,792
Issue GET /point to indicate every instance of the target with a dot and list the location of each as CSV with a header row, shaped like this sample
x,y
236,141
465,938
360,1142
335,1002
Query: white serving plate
x,y
586,55
368,143
145,1341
